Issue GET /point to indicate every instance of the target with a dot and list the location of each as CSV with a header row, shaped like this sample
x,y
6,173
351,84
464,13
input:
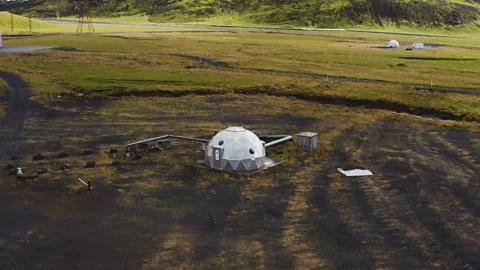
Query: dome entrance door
x,y
217,157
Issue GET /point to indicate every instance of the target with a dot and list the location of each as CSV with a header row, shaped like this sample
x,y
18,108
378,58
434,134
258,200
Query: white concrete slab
x,y
24,48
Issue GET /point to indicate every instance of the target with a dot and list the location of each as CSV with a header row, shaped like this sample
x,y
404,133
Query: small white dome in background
x,y
393,44
235,149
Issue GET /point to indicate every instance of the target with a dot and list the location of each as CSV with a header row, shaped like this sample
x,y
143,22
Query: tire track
x,y
429,201
369,214
17,108
387,200
306,257
413,208
469,192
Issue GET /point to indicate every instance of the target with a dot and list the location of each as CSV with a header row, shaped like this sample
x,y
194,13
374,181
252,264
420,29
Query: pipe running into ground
x,y
277,139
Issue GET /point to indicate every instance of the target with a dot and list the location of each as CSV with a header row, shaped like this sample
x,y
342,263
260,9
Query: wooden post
x,y
89,184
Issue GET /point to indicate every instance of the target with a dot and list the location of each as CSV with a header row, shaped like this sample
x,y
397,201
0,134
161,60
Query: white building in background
x,y
1,42
418,45
393,44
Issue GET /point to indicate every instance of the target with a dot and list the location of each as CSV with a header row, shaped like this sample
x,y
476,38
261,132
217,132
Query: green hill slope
x,y
20,24
318,13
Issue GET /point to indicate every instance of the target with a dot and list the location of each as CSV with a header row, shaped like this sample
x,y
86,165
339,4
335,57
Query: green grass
x,y
307,54
143,63
314,13
89,78
21,24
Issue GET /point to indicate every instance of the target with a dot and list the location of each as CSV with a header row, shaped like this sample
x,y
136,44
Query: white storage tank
x,y
393,44
418,45
1,43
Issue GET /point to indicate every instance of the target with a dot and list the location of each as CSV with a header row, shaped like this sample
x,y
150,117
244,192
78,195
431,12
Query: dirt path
x,y
17,97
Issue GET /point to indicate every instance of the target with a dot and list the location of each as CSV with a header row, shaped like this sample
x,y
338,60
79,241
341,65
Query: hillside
x,y
326,13
318,13
20,24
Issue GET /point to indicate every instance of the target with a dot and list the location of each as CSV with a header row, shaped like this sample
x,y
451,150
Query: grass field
x,y
21,25
116,64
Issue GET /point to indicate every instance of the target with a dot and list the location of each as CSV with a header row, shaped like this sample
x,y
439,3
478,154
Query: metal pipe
x,y
189,139
281,139
271,136
168,137
149,140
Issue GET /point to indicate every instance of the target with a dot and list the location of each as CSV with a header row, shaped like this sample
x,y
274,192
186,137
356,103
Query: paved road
x,y
24,48
264,27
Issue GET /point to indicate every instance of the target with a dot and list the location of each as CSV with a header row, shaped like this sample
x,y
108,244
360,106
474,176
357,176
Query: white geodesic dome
x,y
393,44
235,149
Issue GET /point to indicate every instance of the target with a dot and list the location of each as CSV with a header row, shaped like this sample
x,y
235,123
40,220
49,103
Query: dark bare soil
x,y
419,211
17,98
323,99
420,206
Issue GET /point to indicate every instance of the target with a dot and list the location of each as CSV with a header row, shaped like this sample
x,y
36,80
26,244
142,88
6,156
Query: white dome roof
x,y
393,44
235,149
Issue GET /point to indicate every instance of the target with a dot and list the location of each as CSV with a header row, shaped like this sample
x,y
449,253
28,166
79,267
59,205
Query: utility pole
x,y
84,9
30,15
11,21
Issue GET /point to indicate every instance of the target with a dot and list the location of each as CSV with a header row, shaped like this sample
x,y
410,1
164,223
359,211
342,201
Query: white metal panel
x,y
418,45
